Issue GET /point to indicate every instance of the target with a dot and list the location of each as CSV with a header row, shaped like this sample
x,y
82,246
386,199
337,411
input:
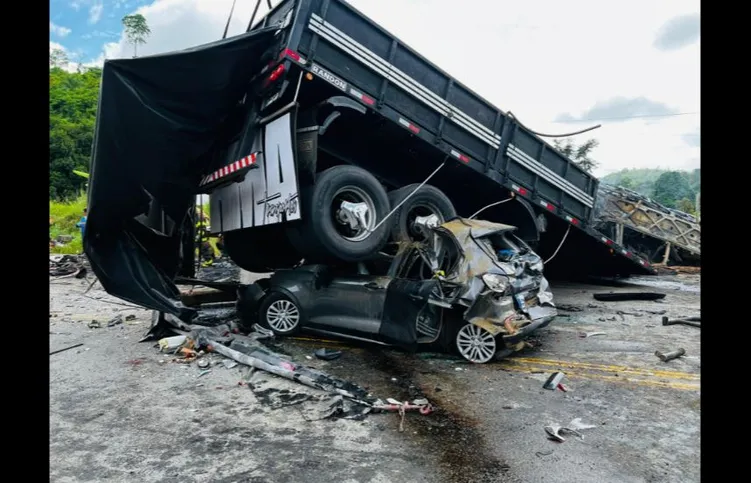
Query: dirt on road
x,y
121,411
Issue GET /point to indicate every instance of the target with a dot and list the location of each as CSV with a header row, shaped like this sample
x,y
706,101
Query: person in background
x,y
82,223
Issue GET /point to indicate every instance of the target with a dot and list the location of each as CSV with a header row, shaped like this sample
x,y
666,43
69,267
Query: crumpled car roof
x,y
463,227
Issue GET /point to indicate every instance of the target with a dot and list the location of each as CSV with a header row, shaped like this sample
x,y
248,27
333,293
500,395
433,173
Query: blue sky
x,y
82,27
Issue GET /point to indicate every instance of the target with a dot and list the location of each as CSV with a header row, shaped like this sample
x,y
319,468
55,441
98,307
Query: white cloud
x,y
95,12
539,59
58,30
69,66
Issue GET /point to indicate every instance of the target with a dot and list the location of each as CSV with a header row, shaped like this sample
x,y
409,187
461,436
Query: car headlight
x,y
496,283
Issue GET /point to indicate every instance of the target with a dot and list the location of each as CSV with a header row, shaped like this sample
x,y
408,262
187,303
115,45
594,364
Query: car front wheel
x,y
280,314
476,344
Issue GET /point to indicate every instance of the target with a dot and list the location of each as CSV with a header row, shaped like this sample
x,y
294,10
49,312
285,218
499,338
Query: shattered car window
x,y
506,246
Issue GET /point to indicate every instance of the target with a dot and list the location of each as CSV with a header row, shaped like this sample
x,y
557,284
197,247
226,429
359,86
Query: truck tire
x,y
322,235
426,201
261,249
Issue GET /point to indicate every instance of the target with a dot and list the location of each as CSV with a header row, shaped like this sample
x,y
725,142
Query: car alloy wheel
x,y
475,344
283,316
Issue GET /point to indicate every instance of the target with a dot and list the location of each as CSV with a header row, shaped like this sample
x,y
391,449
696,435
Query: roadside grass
x,y
64,217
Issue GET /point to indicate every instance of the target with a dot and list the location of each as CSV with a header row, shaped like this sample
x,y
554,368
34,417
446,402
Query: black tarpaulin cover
x,y
159,118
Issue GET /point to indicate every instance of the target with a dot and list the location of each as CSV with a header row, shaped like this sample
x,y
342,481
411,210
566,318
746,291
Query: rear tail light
x,y
276,73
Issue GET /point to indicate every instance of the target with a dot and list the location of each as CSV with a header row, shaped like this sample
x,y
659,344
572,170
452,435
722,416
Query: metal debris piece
x,y
229,363
117,320
204,363
327,355
692,321
671,355
203,373
625,296
585,335
66,348
553,381
95,324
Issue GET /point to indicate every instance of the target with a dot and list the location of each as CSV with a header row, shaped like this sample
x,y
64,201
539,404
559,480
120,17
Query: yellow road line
x,y
618,379
606,368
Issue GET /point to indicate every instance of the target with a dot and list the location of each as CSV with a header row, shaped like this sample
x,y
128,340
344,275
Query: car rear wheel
x,y
280,313
476,344
340,214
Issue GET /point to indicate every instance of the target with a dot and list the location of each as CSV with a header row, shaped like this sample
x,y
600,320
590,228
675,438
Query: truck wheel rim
x,y
475,344
421,209
354,194
282,316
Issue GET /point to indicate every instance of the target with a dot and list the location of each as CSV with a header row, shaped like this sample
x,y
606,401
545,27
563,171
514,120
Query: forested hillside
x,y
675,189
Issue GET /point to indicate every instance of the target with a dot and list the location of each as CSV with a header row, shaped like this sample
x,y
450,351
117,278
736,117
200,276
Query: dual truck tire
x,y
324,236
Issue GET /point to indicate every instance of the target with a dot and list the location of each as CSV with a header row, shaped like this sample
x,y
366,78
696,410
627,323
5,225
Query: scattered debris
x,y
585,335
625,296
328,355
555,431
540,454
204,363
623,312
203,373
692,321
117,320
66,348
95,324
65,266
553,381
671,355
172,343
569,308
422,405
229,363
130,317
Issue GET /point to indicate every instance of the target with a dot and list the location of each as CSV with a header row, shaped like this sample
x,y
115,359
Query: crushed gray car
x,y
471,286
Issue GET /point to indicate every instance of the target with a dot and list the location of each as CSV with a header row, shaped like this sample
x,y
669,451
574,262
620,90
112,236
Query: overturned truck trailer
x,y
319,136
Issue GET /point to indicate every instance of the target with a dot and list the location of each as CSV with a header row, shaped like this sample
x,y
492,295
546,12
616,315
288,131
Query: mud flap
x,y
405,300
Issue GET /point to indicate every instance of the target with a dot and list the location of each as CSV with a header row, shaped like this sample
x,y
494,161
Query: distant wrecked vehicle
x,y
468,285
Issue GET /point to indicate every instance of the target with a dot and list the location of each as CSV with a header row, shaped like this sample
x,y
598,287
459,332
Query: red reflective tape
x,y
367,100
291,54
414,128
463,158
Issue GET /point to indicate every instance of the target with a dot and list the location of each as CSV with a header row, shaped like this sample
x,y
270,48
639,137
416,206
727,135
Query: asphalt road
x,y
118,413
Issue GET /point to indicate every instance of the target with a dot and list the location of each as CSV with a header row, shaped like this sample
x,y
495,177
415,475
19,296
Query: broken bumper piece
x,y
540,317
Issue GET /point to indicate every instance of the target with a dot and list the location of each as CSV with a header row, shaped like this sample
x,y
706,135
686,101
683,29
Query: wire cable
x,y
511,115
559,246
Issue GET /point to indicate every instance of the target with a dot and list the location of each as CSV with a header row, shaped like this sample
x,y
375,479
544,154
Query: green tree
x,y
136,30
58,58
627,182
580,155
73,104
670,187
686,205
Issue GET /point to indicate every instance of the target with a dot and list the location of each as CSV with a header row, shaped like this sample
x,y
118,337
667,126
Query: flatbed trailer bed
x,y
434,117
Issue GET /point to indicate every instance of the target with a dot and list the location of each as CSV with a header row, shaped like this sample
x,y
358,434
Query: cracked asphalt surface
x,y
121,411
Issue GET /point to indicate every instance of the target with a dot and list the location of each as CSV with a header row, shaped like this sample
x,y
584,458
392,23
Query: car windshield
x,y
506,245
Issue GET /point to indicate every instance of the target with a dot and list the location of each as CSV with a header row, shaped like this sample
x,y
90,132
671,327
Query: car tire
x,y
261,249
320,237
426,201
476,344
280,313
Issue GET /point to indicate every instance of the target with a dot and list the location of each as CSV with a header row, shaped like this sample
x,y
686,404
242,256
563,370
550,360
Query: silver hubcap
x,y
354,213
282,316
475,344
